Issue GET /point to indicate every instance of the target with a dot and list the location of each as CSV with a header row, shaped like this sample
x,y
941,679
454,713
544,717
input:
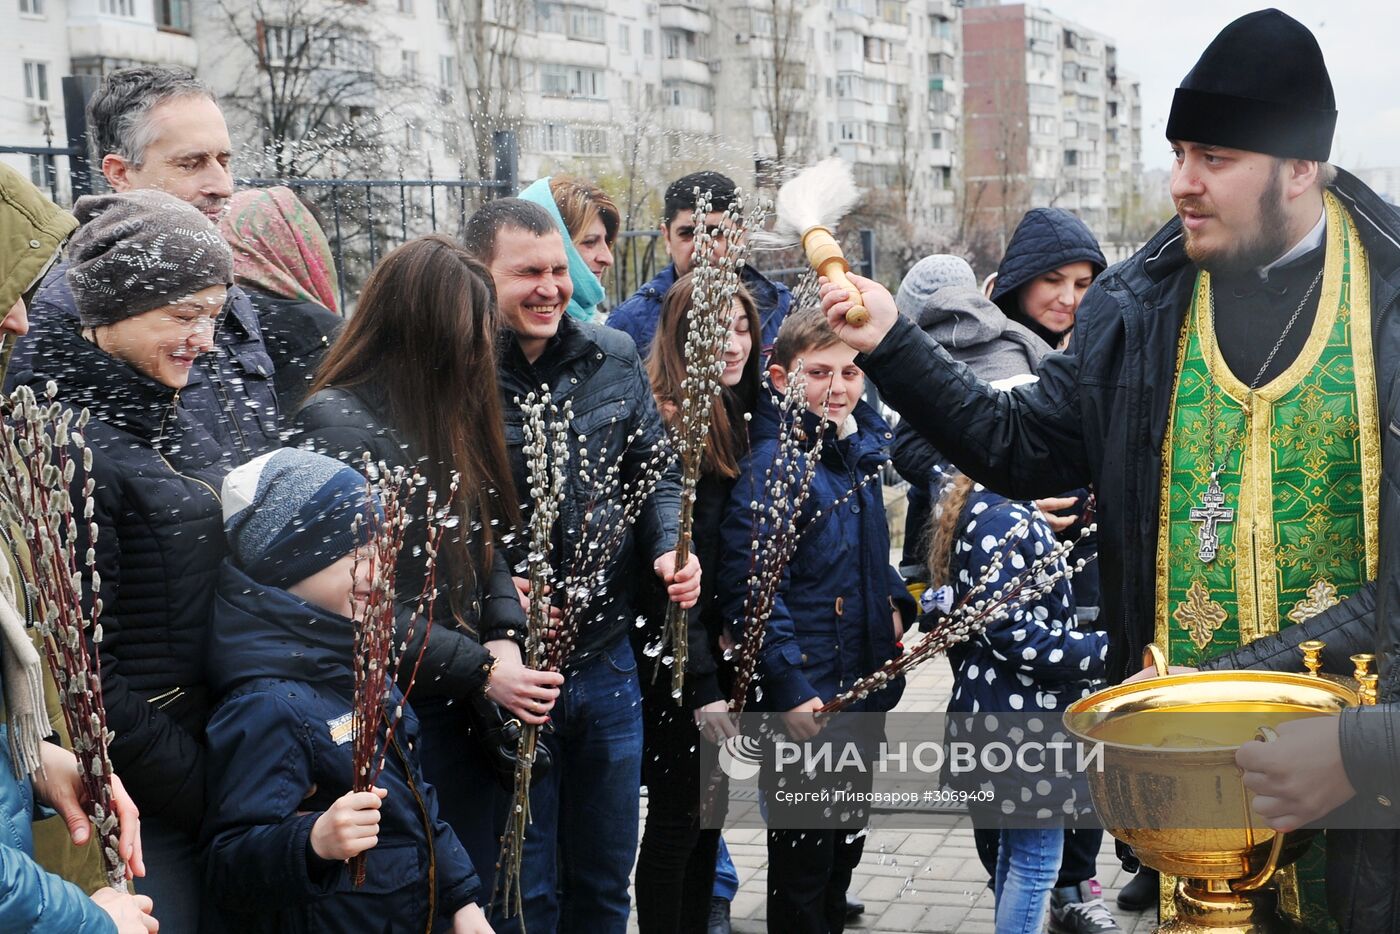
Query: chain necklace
x,y
1212,512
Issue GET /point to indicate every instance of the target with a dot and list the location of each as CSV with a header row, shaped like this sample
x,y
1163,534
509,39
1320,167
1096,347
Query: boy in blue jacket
x,y
839,613
283,821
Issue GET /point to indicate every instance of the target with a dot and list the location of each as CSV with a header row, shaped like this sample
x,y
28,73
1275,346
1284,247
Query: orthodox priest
x,y
1231,393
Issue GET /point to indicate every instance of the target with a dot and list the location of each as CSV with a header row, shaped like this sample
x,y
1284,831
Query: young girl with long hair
x,y
412,380
676,866
1034,660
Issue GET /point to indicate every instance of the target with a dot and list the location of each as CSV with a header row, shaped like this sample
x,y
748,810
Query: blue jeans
x,y
726,876
582,842
1028,861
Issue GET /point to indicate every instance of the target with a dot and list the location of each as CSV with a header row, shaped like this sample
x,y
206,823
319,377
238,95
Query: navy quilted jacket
x,y
282,668
159,544
832,621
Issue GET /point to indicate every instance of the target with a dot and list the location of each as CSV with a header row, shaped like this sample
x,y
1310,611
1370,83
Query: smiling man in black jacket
x,y
583,836
1237,378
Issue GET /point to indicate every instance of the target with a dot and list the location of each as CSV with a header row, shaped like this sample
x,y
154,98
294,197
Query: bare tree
x,y
316,96
783,91
490,74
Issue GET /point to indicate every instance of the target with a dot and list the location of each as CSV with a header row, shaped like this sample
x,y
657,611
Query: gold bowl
x,y
1169,786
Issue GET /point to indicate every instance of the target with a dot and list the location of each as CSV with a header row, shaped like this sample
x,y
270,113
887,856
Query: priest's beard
x,y
1264,241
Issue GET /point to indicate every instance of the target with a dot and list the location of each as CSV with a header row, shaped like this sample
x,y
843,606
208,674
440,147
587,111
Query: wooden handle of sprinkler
x,y
825,255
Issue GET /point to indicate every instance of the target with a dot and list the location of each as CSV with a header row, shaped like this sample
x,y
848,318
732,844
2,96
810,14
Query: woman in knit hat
x,y
1049,264
149,274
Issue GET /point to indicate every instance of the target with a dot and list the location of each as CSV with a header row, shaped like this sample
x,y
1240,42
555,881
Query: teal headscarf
x,y
588,291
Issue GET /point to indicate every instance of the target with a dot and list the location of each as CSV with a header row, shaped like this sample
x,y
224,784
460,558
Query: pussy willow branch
x,y
377,657
716,280
546,452
972,616
43,446
787,483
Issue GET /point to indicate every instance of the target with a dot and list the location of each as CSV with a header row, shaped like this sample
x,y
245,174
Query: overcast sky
x,y
1160,41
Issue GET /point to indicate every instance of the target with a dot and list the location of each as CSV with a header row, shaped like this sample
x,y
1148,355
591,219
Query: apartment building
x,y
1051,119
48,39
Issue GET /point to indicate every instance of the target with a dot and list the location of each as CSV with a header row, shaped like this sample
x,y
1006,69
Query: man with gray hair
x,y
159,127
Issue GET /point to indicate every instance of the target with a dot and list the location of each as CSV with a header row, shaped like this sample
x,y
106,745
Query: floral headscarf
x,y
278,246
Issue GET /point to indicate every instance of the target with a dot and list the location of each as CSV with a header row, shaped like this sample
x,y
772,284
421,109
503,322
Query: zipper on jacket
x,y
160,437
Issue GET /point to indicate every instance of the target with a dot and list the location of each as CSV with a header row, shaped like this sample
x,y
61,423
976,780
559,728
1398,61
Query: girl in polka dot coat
x,y
1018,675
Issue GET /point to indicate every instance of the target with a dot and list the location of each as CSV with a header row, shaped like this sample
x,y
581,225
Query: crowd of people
x,y
232,405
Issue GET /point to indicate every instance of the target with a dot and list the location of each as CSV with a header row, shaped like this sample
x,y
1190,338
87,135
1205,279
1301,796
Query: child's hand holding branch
x,y
349,827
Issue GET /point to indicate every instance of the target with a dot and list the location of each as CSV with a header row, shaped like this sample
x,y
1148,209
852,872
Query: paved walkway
x,y
922,880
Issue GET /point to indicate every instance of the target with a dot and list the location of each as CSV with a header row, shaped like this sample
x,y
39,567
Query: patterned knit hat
x,y
291,513
140,250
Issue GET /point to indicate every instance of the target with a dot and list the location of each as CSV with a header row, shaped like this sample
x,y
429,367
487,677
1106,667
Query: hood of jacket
x,y
1046,239
588,291
32,230
975,331
258,631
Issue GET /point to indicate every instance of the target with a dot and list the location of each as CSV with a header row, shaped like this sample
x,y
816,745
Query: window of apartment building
x,y
672,43
761,23
939,101
554,80
1045,126
850,131
685,94
554,137
444,10
876,50
31,8
1042,62
406,6
173,15
409,60
830,87
1041,29
587,82
1071,158
830,131
940,63
36,83
940,27
413,137
624,37
646,42
42,173
125,8
1042,94
936,139
588,25
447,71
591,141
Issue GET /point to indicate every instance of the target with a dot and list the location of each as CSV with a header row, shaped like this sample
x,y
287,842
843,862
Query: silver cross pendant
x,y
1211,514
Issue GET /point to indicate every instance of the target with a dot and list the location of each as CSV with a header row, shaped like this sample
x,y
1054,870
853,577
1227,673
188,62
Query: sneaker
x,y
1081,910
719,917
1142,892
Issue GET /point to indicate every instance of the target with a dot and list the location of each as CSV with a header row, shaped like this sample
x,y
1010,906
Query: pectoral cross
x,y
1211,514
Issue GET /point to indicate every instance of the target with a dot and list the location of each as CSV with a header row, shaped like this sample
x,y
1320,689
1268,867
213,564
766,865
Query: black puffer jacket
x,y
596,369
1099,415
297,334
159,544
344,424
1046,239
229,390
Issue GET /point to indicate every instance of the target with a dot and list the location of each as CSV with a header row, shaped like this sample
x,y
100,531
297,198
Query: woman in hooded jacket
x,y
1049,264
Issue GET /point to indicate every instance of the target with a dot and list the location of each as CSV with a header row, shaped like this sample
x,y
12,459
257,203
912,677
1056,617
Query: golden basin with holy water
x,y
1170,789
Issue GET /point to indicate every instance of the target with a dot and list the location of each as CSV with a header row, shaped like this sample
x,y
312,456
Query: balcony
x,y
128,40
684,16
686,69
